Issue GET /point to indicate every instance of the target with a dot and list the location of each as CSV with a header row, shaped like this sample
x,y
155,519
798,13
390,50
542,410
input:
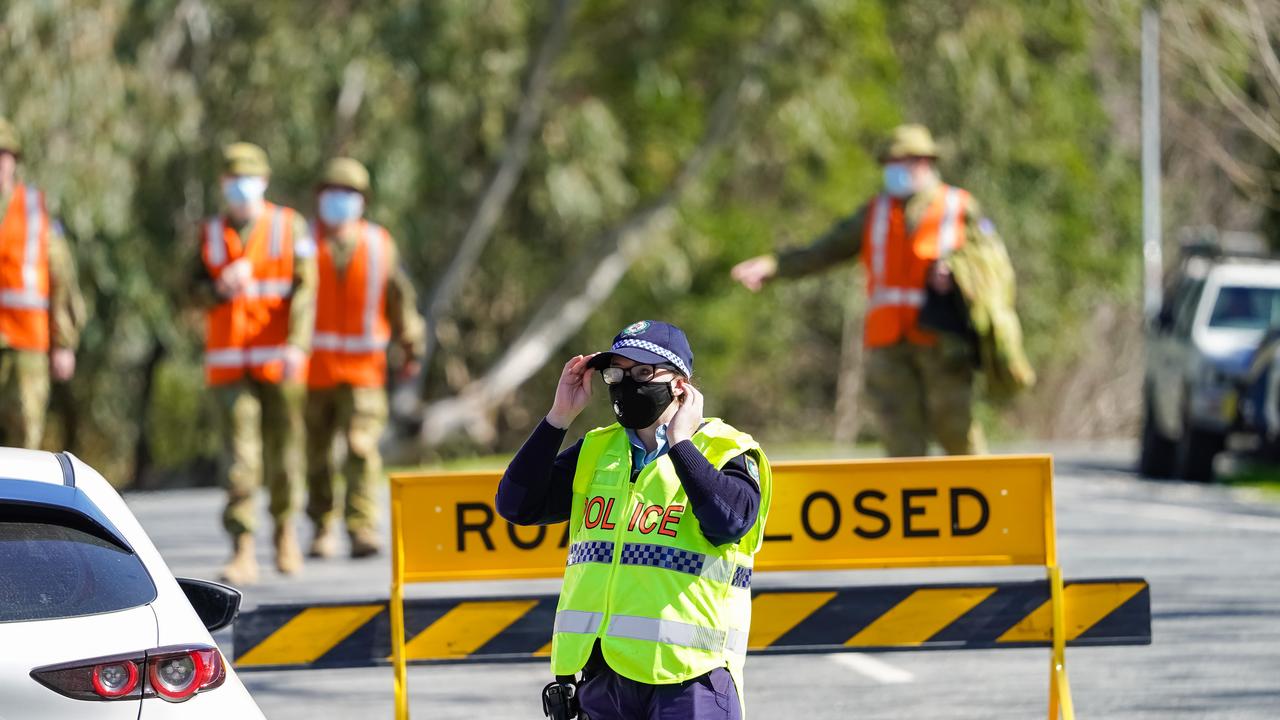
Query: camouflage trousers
x,y
24,397
919,392
263,426
359,414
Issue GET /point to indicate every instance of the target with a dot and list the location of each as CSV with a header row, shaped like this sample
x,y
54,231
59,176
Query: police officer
x,y
41,310
666,511
256,276
919,381
365,303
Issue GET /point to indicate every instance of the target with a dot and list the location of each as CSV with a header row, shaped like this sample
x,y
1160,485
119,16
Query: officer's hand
x,y
940,278
572,393
295,359
754,273
62,364
688,418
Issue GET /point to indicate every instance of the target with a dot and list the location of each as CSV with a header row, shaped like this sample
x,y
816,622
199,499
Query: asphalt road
x,y
1210,553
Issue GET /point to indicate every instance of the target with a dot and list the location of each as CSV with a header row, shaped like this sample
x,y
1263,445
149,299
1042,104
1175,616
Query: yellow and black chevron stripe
x,y
784,620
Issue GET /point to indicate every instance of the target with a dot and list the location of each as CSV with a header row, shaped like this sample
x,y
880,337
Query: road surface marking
x,y
877,670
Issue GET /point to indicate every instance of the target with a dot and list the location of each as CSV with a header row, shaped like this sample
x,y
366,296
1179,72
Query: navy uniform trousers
x,y
606,695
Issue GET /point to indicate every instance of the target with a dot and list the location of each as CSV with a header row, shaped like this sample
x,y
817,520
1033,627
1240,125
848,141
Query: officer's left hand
x,y
688,418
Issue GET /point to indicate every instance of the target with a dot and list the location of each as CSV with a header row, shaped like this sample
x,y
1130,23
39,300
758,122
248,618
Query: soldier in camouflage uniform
x,y
919,380
41,309
365,305
256,277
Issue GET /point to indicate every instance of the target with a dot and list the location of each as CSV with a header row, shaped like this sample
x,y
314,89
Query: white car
x,y
1199,348
92,623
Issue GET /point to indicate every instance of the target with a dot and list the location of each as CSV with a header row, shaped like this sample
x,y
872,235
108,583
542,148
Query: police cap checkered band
x,y
656,350
650,342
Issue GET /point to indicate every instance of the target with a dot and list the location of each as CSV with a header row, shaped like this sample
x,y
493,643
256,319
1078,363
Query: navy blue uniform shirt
x,y
537,488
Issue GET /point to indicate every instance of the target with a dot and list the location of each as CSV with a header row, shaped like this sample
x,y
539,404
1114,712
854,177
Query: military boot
x,y
242,568
288,554
365,543
325,542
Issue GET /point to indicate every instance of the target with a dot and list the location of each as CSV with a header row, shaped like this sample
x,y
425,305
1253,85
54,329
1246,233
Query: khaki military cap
x,y
244,158
9,138
346,172
907,141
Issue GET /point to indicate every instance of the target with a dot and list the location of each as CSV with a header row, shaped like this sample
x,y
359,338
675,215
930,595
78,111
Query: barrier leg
x,y
1059,688
397,614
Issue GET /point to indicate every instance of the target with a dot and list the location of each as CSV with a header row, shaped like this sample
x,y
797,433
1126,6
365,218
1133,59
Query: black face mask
x,y
638,405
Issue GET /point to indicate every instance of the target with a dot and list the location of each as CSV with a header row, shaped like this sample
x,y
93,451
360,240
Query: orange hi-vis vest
x,y
352,332
897,262
248,333
24,271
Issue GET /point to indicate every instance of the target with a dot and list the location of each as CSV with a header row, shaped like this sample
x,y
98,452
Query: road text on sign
x,y
825,515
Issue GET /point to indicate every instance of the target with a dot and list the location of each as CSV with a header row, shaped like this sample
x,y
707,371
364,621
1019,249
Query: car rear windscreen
x,y
50,571
1246,308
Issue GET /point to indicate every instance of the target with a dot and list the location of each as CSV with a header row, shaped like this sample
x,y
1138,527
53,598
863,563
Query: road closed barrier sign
x,y
919,512
825,516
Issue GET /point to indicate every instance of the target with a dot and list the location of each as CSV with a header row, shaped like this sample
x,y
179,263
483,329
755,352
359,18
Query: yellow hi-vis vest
x,y
665,603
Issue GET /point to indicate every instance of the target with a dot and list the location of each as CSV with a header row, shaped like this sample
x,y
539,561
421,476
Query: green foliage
x,y
125,104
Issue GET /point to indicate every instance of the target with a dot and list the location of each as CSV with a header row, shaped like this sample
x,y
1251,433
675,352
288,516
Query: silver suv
x,y
1198,349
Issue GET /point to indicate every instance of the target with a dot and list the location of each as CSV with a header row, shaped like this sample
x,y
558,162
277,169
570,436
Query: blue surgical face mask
x,y
243,190
898,181
339,206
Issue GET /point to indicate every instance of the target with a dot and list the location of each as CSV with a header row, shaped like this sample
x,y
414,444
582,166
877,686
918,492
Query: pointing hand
x,y
754,273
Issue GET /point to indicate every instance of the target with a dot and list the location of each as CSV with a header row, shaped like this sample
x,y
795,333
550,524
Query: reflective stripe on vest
x,y
30,271
948,232
268,289
277,235
670,632
895,297
29,296
578,621
240,357
23,300
879,236
215,242
653,629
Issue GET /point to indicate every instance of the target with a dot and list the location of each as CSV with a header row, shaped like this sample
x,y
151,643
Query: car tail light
x,y
173,673
115,679
177,676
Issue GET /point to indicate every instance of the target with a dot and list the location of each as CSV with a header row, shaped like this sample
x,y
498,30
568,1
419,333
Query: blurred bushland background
x,y
555,170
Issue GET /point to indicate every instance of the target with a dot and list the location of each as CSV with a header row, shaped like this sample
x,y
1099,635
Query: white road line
x,y
1196,516
877,670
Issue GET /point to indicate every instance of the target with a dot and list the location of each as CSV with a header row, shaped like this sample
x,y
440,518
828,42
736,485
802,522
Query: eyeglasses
x,y
639,373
